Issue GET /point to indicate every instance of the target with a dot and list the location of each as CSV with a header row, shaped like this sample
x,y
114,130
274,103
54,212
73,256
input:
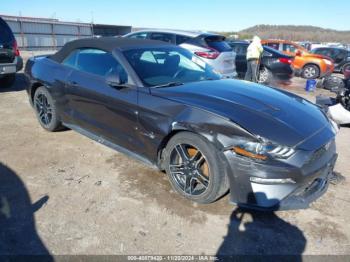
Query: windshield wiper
x,y
170,84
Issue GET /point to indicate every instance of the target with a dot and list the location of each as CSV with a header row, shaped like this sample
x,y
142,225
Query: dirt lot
x,y
65,194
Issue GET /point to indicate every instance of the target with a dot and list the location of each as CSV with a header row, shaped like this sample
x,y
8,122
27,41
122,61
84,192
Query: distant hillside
x,y
297,33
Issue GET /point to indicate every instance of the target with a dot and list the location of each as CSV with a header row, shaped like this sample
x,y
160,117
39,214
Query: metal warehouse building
x,y
45,33
110,30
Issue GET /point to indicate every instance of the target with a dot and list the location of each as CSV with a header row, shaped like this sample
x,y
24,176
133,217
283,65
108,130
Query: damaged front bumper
x,y
281,185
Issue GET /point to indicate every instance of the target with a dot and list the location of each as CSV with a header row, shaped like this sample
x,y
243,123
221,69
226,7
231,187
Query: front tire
x,y
195,169
45,110
310,72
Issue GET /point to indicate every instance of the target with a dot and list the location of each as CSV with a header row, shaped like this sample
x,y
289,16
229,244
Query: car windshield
x,y
168,66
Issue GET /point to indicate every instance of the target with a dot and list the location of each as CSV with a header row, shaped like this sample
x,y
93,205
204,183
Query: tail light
x,y
285,60
15,48
212,54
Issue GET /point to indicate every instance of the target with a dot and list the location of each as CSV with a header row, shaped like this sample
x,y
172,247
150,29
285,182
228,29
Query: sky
x,y
209,15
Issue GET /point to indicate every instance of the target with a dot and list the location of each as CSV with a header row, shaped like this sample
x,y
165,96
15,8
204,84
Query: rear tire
x,y
265,76
311,72
7,81
195,169
45,110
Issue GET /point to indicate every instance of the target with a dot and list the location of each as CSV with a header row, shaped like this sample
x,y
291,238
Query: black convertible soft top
x,y
107,44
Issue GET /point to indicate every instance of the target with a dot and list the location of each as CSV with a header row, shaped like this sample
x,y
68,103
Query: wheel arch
x,y
164,142
314,64
218,134
33,89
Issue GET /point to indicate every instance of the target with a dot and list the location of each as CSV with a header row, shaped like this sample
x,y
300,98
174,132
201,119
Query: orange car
x,y
306,65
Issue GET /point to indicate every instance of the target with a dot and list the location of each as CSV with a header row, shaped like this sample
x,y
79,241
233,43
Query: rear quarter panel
x,y
42,71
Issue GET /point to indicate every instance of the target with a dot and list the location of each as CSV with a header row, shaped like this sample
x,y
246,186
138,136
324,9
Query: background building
x,y
44,33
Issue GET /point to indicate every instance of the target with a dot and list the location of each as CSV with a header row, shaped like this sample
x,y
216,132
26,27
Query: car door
x,y
241,58
96,107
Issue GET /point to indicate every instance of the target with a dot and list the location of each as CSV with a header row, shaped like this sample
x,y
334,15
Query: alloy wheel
x,y
310,72
43,109
263,75
189,169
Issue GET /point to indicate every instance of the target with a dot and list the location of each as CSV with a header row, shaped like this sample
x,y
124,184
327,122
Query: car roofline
x,y
177,32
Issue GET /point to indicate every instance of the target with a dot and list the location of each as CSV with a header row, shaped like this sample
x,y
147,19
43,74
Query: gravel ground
x,y
61,193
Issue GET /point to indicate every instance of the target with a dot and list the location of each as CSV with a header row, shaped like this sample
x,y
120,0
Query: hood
x,y
276,115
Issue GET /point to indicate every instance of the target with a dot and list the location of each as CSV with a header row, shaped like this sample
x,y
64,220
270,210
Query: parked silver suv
x,y
212,48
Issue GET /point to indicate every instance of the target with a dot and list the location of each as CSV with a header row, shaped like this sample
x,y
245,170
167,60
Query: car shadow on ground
x,y
18,85
18,236
257,236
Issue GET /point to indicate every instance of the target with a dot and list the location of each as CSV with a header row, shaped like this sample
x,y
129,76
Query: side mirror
x,y
117,78
299,53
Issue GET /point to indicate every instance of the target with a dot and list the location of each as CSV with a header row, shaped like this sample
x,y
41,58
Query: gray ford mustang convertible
x,y
163,105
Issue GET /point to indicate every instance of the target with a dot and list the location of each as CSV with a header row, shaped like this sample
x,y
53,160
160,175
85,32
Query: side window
x,y
243,50
163,37
327,52
142,35
240,50
235,48
180,39
97,62
289,48
273,45
322,51
71,59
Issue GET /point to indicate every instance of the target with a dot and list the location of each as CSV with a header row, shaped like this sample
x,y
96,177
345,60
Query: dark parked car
x,y
340,56
149,100
10,59
273,65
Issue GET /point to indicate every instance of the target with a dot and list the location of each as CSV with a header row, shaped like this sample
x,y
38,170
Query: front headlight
x,y
262,150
